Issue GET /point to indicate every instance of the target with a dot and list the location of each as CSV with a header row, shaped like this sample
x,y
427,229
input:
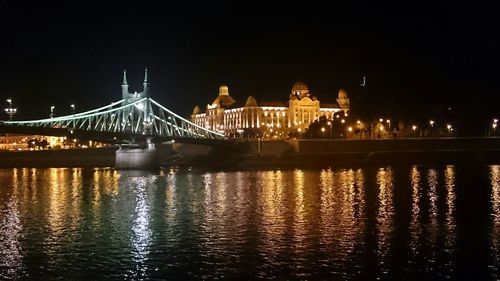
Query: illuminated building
x,y
268,120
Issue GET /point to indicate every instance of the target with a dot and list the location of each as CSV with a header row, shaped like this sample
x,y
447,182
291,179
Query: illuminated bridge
x,y
136,115
136,118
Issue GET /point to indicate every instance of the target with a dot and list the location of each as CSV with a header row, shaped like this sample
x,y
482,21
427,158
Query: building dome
x,y
196,110
223,90
223,99
300,89
342,94
251,101
343,100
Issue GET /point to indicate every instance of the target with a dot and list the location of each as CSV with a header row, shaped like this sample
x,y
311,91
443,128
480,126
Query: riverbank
x,y
289,153
379,157
95,157
320,152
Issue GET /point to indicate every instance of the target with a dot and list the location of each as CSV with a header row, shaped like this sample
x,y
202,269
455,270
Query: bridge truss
x,y
144,117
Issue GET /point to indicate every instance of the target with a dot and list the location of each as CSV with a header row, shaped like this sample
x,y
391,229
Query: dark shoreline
x,y
275,154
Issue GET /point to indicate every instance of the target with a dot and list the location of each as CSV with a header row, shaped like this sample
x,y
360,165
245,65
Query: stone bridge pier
x,y
134,157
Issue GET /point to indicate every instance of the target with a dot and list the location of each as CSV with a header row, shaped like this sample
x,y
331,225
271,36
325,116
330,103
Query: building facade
x,y
267,120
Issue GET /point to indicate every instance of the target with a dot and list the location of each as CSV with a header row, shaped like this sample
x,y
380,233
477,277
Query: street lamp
x,y
494,125
414,128
431,122
323,131
72,108
449,127
52,111
10,110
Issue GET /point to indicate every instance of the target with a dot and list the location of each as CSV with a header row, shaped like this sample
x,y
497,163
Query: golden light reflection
x,y
96,195
171,197
299,223
385,181
56,209
433,227
215,223
347,193
449,177
432,179
75,202
495,193
105,182
273,224
327,205
450,240
341,211
495,206
221,191
415,224
359,200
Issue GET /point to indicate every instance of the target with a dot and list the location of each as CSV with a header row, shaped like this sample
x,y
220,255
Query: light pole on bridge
x,y
72,108
10,110
52,111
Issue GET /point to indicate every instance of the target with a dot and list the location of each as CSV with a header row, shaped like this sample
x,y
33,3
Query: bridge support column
x,y
134,158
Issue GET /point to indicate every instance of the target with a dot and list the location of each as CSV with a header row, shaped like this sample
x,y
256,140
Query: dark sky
x,y
418,58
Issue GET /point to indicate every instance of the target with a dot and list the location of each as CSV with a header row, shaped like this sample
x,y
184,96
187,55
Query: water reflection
x,y
273,213
299,222
371,222
495,207
385,218
10,231
450,228
415,225
141,238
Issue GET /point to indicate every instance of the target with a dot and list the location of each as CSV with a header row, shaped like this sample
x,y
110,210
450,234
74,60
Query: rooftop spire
x,y
146,75
124,77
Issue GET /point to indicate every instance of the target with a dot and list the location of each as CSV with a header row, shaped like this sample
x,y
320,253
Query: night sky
x,y
419,59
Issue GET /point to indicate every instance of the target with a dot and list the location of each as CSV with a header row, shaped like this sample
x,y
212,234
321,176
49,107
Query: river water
x,y
348,223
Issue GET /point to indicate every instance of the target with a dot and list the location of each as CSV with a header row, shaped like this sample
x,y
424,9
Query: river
x,y
386,222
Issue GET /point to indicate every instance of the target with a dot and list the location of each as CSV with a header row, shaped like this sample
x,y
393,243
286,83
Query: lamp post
x,y
72,108
52,111
10,110
323,131
494,126
450,128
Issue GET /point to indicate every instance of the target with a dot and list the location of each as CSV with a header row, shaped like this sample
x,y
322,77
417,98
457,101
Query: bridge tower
x,y
135,96
134,157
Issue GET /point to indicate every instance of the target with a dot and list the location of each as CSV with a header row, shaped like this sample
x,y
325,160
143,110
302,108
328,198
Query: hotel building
x,y
267,120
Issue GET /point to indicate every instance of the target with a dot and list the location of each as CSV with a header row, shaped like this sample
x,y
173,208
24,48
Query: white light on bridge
x,y
140,106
